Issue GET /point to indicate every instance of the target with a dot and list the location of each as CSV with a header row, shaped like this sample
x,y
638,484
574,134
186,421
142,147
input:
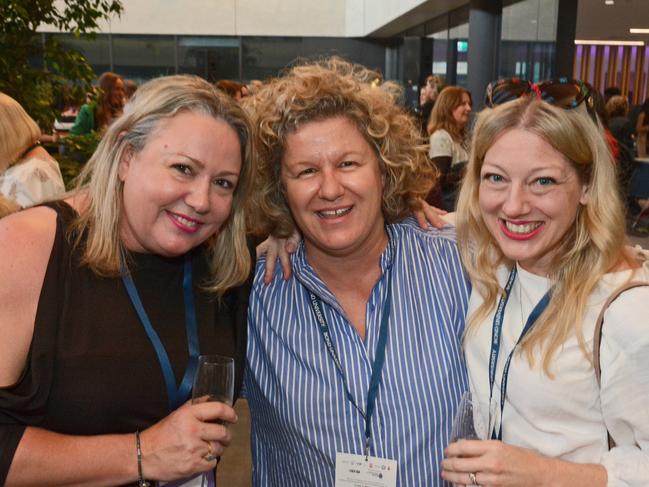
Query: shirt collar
x,y
307,275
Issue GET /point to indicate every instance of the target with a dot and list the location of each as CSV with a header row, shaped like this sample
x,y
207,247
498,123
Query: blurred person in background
x,y
99,114
427,97
611,91
130,87
617,111
68,106
449,144
28,173
254,86
642,129
617,114
233,88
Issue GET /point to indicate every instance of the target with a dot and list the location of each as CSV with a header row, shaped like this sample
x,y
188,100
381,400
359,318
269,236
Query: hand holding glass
x,y
214,381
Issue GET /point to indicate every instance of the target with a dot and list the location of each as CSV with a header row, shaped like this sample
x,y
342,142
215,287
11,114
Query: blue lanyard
x,y
495,344
176,395
377,366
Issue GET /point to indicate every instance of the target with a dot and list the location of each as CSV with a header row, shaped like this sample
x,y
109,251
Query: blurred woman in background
x,y
642,129
447,129
28,174
97,115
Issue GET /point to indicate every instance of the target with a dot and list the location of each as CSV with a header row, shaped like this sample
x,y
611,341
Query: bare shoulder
x,y
26,235
26,240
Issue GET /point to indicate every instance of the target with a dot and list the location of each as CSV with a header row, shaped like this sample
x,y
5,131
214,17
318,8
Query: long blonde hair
x,y
593,245
18,131
153,103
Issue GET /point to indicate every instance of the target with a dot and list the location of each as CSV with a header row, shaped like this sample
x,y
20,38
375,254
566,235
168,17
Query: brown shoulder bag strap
x,y
597,337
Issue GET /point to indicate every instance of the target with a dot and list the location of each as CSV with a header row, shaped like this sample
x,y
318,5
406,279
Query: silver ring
x,y
472,478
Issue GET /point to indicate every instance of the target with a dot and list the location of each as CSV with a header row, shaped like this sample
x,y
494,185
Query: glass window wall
x,y
144,57
264,57
528,35
96,51
212,58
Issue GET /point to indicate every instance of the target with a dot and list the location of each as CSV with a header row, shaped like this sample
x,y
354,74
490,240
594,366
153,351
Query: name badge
x,y
356,471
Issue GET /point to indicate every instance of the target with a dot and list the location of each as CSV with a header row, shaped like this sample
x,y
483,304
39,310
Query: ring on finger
x,y
209,456
472,478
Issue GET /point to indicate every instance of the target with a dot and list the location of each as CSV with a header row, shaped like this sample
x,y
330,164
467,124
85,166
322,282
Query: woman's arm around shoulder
x,y
26,240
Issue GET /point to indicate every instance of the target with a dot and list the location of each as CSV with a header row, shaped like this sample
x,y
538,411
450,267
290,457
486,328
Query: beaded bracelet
x,y
140,478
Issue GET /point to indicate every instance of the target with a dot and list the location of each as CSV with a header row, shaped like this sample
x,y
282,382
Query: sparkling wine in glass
x,y
473,419
214,380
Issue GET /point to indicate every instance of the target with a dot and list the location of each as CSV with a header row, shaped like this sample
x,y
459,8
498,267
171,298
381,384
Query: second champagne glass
x,y
472,420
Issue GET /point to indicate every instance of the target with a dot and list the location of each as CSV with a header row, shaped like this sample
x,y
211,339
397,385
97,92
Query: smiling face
x,y
529,195
178,189
334,188
462,112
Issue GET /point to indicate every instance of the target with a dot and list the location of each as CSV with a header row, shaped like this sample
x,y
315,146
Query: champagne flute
x,y
214,381
473,420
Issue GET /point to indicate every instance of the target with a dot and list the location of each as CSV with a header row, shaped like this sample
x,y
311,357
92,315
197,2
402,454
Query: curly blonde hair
x,y
328,88
154,103
592,247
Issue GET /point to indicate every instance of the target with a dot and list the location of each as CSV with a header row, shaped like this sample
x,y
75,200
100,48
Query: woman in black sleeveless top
x,y
158,212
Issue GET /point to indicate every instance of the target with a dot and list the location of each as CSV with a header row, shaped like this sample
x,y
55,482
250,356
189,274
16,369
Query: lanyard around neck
x,y
377,366
496,333
177,395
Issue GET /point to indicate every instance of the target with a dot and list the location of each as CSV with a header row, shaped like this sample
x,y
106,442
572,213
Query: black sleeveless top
x,y
91,368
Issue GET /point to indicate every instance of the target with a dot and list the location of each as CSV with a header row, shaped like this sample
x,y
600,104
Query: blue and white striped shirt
x,y
300,412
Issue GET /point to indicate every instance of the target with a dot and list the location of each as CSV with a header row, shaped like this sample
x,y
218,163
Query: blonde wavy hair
x,y
18,131
593,245
328,88
152,104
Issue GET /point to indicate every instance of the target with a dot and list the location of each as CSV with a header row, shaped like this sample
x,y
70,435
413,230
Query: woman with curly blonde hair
x,y
357,353
542,237
109,296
